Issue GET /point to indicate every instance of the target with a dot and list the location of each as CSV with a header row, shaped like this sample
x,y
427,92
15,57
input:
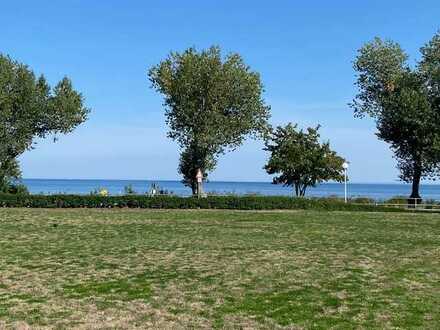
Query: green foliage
x,y
362,200
174,202
405,102
16,188
397,200
300,159
9,173
212,104
378,64
191,160
29,109
13,188
429,67
410,125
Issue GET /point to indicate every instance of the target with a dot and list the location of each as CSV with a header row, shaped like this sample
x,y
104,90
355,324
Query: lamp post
x,y
345,167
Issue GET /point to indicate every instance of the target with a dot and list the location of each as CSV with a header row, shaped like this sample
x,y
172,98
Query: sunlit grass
x,y
218,269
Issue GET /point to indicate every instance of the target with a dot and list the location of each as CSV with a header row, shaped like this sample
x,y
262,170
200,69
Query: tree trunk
x,y
296,189
3,183
303,190
300,189
194,187
415,192
200,189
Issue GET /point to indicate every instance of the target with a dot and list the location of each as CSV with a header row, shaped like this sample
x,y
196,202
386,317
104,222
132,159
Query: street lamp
x,y
345,167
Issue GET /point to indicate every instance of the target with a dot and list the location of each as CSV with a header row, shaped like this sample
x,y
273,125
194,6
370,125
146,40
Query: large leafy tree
x,y
30,109
212,104
404,102
300,160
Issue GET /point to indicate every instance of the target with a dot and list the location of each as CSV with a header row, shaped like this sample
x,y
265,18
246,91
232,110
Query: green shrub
x,y
397,200
362,200
174,202
15,189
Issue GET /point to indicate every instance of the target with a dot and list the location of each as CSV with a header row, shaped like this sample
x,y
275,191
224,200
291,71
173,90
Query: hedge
x,y
174,202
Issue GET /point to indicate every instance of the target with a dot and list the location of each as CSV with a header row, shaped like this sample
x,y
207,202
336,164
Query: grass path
x,y
218,269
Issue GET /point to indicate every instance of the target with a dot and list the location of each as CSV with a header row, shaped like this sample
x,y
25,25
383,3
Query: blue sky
x,y
303,50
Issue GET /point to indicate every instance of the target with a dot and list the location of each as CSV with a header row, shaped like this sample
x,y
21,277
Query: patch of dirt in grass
x,y
136,315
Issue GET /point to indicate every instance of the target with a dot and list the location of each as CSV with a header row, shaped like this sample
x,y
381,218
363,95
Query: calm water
x,y
116,187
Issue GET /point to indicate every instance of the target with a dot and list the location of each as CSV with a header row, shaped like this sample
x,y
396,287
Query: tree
x,y
9,172
212,104
300,159
191,160
29,109
404,102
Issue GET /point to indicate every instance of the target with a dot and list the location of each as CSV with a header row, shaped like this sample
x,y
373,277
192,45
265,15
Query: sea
x,y
376,191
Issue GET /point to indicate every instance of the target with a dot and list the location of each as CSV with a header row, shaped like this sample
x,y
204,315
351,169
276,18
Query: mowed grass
x,y
218,269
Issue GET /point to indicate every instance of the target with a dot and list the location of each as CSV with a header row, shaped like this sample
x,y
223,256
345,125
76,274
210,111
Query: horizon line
x,y
222,181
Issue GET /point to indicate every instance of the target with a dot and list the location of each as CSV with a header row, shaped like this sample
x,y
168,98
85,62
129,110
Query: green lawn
x,y
218,269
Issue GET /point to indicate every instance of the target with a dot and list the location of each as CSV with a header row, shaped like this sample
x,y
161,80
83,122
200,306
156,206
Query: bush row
x,y
174,202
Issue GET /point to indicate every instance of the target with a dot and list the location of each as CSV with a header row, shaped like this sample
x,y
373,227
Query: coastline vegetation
x,y
213,102
404,101
31,109
151,259
299,159
234,202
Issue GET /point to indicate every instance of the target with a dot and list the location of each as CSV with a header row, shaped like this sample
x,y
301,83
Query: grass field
x,y
218,269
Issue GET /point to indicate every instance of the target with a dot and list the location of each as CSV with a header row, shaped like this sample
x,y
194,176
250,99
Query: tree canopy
x,y
404,102
300,160
29,109
212,103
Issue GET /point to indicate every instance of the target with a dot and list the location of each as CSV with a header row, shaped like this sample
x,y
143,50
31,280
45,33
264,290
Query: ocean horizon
x,y
377,191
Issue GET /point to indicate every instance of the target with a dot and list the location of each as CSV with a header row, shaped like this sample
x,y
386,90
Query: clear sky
x,y
303,50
